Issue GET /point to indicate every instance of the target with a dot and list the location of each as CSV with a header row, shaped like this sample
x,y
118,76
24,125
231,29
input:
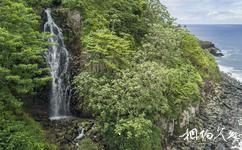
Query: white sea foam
x,y
235,73
228,52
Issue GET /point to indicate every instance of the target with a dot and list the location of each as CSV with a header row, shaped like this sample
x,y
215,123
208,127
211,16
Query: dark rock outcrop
x,y
63,132
211,48
70,22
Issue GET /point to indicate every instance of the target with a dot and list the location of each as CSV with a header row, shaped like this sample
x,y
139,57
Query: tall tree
x,y
22,71
21,49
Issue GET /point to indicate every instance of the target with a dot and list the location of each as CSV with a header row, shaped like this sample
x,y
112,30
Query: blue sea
x,y
228,38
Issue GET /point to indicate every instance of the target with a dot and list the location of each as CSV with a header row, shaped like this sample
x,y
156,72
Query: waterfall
x,y
58,61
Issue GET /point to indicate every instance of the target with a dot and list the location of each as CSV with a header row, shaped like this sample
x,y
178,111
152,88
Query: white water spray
x,y
58,60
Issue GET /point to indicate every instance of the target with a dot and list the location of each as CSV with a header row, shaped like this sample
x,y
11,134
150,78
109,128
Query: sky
x,y
205,11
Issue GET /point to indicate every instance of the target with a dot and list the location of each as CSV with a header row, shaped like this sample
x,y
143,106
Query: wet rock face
x,y
70,22
211,48
64,133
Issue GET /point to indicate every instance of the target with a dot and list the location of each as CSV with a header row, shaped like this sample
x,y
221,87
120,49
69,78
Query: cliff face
x,y
211,48
217,124
70,22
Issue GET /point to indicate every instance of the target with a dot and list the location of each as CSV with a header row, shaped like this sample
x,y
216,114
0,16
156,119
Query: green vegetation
x,y
18,131
107,51
201,59
87,144
22,72
140,68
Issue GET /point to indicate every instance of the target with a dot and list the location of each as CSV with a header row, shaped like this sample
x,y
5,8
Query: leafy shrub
x,y
180,48
21,49
92,12
201,59
18,131
37,3
148,89
87,144
133,133
156,46
106,51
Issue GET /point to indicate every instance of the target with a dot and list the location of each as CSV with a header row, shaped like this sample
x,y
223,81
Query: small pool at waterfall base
x,y
60,117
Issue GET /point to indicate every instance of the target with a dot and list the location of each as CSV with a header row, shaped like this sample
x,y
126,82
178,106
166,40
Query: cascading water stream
x,y
58,60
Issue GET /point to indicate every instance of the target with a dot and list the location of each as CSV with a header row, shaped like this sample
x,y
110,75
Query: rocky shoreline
x,y
220,114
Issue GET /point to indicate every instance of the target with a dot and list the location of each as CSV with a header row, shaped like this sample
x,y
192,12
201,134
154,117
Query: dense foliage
x,y
106,51
140,68
18,130
22,72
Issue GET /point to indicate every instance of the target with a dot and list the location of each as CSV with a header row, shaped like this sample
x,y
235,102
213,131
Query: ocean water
x,y
228,38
